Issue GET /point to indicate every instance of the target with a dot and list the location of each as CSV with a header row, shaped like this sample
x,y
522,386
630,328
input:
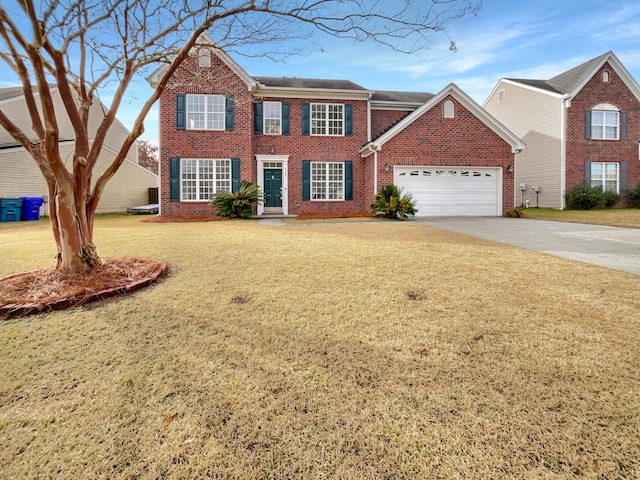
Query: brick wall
x,y
382,120
461,141
217,79
581,149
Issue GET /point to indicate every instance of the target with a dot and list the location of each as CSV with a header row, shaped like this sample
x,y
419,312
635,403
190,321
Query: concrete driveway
x,y
612,247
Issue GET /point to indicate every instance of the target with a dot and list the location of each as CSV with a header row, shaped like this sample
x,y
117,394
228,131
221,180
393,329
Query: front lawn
x,y
350,350
615,217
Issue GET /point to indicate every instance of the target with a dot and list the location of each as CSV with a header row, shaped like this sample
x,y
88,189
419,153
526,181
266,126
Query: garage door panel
x,y
451,191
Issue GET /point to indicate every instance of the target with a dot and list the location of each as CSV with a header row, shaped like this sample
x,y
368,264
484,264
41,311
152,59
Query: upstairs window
x,y
604,125
272,118
605,122
327,119
205,112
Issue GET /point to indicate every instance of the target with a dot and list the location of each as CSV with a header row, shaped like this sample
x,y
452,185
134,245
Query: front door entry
x,y
273,188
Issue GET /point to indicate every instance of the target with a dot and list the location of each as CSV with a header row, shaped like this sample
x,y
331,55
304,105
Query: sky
x,y
536,39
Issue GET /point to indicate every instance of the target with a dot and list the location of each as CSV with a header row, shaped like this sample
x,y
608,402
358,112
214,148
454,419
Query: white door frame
x,y
284,160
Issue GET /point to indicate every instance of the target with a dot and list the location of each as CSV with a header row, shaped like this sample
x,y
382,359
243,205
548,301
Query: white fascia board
x,y
394,106
311,93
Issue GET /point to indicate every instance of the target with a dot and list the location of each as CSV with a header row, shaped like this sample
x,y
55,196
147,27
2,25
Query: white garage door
x,y
440,191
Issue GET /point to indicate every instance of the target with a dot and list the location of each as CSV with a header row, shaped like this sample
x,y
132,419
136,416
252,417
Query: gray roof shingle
x,y
404,97
294,82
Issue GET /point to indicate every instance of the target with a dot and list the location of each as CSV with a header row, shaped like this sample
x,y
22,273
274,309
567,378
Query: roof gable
x,y
570,83
454,91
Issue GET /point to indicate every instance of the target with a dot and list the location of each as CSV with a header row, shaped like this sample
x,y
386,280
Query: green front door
x,y
273,188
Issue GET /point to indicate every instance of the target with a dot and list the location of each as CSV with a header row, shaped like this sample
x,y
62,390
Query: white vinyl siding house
x,y
20,176
535,116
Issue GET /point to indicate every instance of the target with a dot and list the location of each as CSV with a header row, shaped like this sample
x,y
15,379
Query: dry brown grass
x,y
368,350
615,217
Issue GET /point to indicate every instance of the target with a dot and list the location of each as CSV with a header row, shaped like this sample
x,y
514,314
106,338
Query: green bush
x,y
611,199
390,202
512,213
238,204
634,195
584,197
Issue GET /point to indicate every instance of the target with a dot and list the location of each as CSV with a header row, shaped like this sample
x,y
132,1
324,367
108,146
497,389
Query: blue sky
x,y
508,38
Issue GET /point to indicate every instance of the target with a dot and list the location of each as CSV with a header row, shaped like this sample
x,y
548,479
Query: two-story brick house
x,y
580,126
324,146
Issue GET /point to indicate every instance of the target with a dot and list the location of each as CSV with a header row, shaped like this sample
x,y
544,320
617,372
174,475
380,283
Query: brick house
x,y
325,146
580,126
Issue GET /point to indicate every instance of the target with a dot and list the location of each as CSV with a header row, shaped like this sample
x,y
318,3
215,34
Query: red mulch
x,y
47,289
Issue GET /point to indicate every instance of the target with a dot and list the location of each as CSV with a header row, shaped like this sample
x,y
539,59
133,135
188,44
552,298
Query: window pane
x,y
195,111
318,119
318,181
215,112
272,118
189,179
335,181
206,178
223,175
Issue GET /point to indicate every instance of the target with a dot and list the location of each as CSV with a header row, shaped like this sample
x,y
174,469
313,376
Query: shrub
x,y
634,195
390,202
512,213
238,204
584,197
611,199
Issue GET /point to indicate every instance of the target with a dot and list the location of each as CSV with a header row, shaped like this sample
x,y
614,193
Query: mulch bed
x,y
45,290
214,218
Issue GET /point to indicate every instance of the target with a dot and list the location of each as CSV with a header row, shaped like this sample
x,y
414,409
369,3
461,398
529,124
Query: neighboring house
x,y
20,176
324,146
580,126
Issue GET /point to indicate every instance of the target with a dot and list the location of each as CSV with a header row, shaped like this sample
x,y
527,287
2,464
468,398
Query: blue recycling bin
x,y
30,209
10,209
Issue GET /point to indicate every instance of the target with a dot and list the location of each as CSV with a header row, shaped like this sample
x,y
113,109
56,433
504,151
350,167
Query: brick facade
x,y
460,141
430,140
580,149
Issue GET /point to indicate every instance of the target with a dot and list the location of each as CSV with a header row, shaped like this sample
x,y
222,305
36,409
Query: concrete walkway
x,y
612,247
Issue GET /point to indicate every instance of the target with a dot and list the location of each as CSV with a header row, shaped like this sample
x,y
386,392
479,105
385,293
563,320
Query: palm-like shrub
x,y
238,204
390,202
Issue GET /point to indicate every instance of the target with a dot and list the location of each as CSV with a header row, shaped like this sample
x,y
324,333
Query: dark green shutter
x,y
587,124
306,180
306,119
286,118
348,180
348,120
624,176
174,179
587,173
229,113
181,113
235,174
623,125
258,120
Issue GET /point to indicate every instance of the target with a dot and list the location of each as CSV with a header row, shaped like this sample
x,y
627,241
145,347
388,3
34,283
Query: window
x,y
204,57
327,181
205,112
449,111
327,119
272,118
605,176
604,124
202,177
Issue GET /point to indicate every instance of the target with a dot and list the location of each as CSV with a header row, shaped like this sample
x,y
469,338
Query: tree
x,y
82,48
148,155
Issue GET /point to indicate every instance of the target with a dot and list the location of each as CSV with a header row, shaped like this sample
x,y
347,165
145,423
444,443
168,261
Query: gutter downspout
x,y
375,172
564,105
